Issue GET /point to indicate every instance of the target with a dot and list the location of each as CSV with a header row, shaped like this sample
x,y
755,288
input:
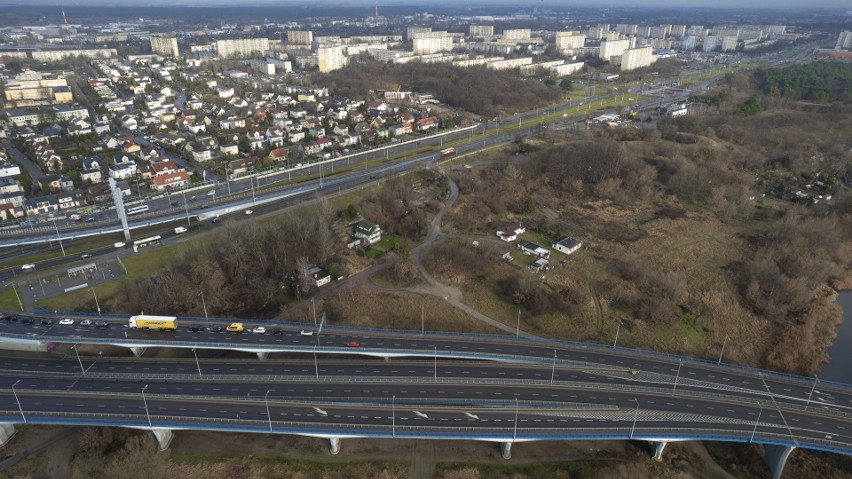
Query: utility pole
x,y
58,237
204,305
82,369
197,364
268,415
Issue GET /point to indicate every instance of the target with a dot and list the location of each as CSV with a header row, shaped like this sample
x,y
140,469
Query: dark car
x,y
91,219
276,332
174,203
27,321
215,329
101,324
13,317
204,207
196,329
46,322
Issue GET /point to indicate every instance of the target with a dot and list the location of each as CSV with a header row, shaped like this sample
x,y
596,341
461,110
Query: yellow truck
x,y
235,328
141,321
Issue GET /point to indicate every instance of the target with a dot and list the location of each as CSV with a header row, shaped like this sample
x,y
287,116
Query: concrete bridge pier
x,y
262,356
335,445
164,437
506,450
776,458
658,449
138,351
7,430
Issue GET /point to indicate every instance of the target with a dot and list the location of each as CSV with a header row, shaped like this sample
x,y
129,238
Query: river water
x,y
839,367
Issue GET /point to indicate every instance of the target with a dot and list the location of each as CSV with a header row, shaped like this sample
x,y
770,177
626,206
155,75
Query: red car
x,y
353,344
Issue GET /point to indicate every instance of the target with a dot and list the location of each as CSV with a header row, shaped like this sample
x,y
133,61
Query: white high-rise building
x,y
844,41
710,43
688,43
425,46
242,47
517,34
411,32
614,48
300,37
569,40
729,43
627,29
164,44
483,31
330,58
633,58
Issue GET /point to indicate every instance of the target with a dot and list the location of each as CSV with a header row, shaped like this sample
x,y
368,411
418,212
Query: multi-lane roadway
x,y
670,393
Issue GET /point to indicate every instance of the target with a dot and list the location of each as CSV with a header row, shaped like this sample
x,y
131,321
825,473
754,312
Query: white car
x,y
28,267
306,333
86,322
259,330
248,212
120,244
67,322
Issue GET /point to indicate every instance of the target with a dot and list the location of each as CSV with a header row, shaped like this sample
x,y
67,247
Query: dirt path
x,y
432,286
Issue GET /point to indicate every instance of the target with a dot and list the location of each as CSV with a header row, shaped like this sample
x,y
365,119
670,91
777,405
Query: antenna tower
x,y
64,17
377,8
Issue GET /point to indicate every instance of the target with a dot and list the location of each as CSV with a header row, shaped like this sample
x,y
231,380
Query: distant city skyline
x,y
560,4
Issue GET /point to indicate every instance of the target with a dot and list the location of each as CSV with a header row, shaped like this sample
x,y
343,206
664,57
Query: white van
x,y
180,229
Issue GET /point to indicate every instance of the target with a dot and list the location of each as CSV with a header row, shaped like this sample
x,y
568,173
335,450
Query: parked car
x,y
87,255
28,267
276,332
120,244
86,322
248,212
259,330
101,324
47,322
66,322
353,344
91,219
306,333
27,321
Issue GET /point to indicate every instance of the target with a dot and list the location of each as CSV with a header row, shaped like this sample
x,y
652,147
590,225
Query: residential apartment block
x,y
242,47
165,45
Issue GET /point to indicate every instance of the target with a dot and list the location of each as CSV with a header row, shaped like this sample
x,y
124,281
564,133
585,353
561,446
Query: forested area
x,y
474,89
246,270
819,81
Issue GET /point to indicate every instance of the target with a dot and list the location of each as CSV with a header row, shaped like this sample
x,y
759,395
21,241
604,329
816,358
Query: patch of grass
x,y
8,300
520,471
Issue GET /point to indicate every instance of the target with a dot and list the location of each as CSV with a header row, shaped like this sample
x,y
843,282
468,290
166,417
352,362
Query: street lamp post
x,y
393,416
518,328
422,320
515,432
96,301
635,417
553,370
436,363
314,308
316,365
617,329
145,401
679,364
204,305
816,380
82,369
186,208
756,422
723,350
18,401
59,238
197,364
268,415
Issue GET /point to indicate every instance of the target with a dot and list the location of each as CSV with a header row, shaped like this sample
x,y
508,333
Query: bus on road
x,y
147,241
